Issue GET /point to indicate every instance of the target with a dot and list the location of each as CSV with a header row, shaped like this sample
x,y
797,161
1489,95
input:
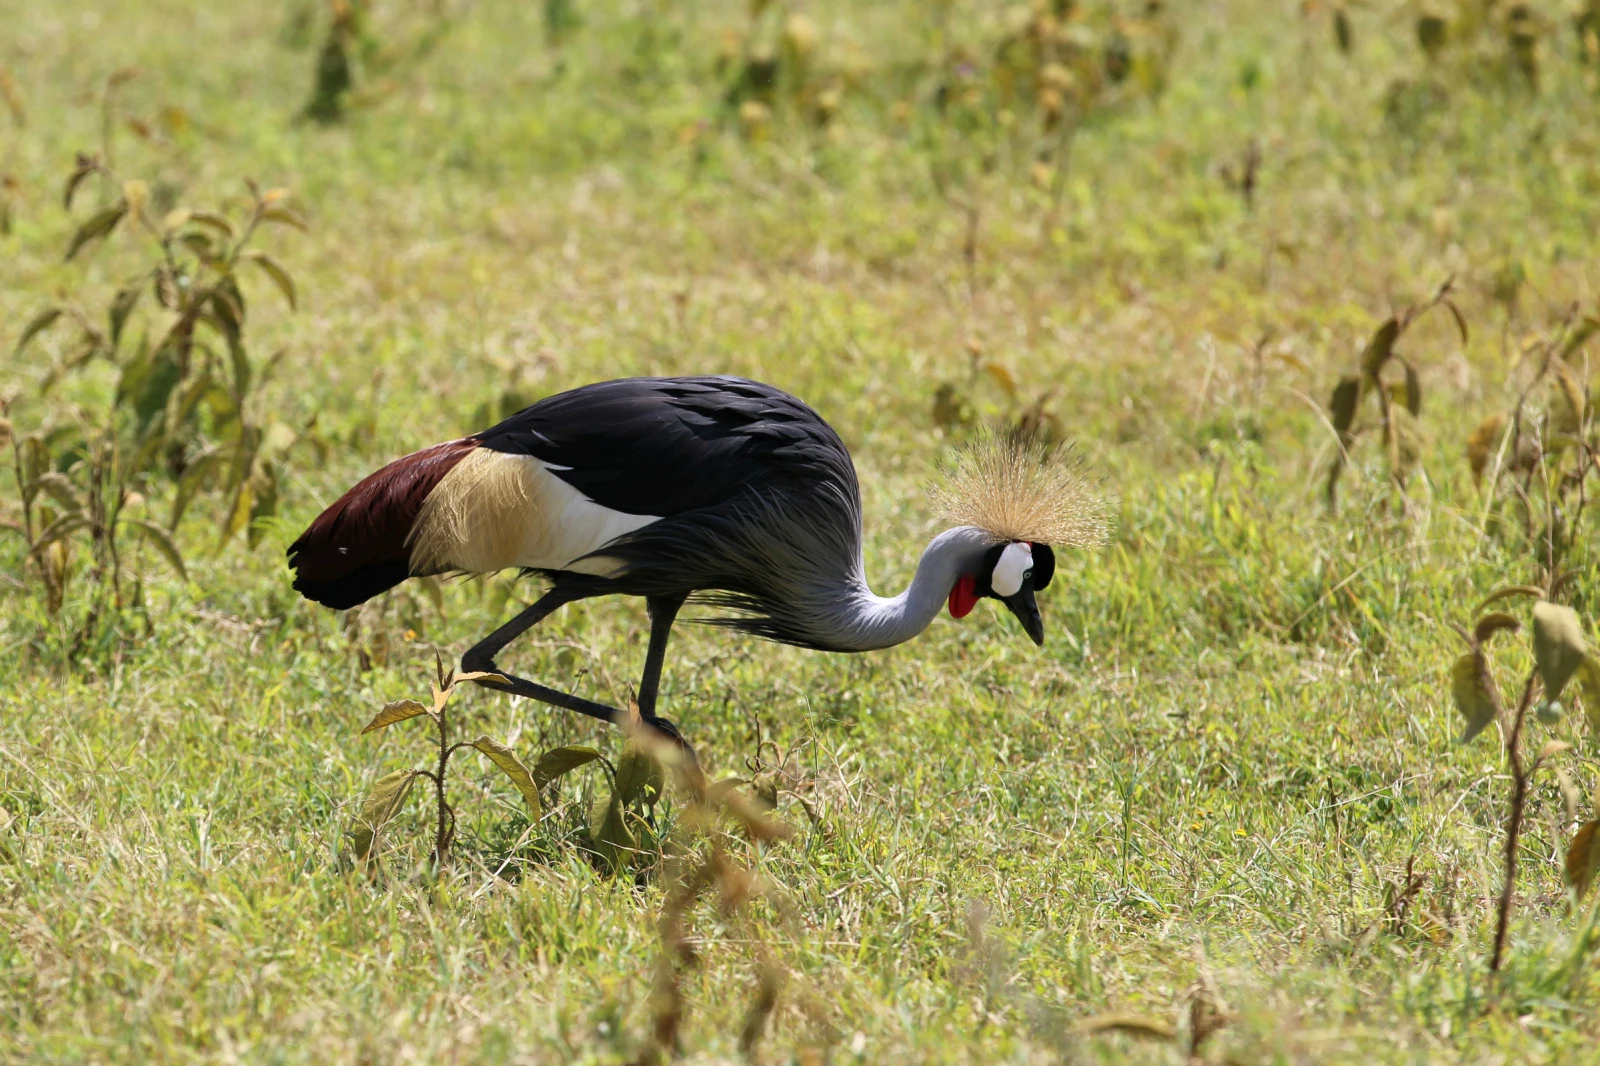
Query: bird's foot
x,y
674,737
670,733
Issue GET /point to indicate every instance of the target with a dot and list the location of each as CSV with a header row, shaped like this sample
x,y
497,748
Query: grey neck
x,y
870,621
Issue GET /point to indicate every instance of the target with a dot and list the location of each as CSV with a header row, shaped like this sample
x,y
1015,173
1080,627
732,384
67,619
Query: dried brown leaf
x,y
1483,440
395,711
1583,858
1490,624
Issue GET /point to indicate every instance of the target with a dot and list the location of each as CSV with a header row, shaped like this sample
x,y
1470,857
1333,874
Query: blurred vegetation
x,y
1313,286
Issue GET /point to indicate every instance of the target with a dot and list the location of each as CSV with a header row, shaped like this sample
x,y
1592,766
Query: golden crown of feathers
x,y
1017,486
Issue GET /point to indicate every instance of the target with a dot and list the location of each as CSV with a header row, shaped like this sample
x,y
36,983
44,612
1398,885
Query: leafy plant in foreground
x,y
386,797
179,421
1561,654
699,859
618,829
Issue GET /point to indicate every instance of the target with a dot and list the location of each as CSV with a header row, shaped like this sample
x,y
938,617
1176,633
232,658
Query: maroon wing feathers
x,y
357,547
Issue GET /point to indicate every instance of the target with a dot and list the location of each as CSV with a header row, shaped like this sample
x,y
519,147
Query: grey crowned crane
x,y
723,489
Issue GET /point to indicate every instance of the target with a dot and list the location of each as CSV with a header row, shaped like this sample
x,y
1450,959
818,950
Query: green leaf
x,y
1558,645
558,762
96,228
395,711
148,384
278,273
507,760
383,802
1474,692
1580,336
1380,348
86,165
239,515
1430,33
122,306
1460,319
158,538
609,833
228,302
35,461
1342,405
214,220
263,501
765,787
639,776
194,476
284,217
1341,30
36,325
1413,393
200,245
60,529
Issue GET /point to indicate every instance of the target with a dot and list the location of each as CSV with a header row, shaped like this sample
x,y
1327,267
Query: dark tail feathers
x,y
357,547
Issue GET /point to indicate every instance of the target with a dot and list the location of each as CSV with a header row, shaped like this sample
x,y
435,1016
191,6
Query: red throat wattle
x,y
963,597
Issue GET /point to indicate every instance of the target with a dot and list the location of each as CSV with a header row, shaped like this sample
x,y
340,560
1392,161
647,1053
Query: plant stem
x,y
1519,799
445,823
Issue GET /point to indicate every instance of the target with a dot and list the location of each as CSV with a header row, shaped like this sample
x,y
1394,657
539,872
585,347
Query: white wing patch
x,y
1016,560
495,511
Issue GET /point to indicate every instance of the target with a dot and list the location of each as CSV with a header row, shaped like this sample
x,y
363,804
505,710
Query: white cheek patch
x,y
1015,561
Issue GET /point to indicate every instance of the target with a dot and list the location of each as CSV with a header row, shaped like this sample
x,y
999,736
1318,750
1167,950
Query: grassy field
x,y
1209,787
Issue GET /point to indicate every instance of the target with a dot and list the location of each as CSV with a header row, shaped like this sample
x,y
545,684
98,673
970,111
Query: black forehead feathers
x,y
985,574
1044,565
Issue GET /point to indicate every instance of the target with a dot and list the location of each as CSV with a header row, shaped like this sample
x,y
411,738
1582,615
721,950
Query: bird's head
x,y
1021,495
1011,573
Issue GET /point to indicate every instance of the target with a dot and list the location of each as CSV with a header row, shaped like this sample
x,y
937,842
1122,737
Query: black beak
x,y
1022,605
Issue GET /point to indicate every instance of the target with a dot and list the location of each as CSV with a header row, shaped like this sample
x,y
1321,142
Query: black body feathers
x,y
757,498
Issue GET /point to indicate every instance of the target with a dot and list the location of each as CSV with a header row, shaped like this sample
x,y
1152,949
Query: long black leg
x,y
663,611
480,657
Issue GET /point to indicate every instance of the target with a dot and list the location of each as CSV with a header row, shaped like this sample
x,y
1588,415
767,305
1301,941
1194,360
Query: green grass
x,y
1236,738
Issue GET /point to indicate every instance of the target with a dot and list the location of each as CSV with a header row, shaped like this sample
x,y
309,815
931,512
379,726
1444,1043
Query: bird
x,y
721,490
